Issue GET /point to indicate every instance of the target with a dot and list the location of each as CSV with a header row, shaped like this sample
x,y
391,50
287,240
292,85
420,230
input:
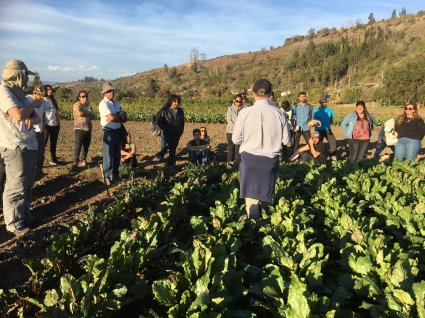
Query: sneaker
x,y
20,230
159,156
54,162
294,156
82,163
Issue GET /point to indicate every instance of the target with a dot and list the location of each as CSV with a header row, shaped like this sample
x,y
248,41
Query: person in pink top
x,y
358,128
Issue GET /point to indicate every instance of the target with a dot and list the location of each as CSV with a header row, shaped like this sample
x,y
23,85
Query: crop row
x,y
338,241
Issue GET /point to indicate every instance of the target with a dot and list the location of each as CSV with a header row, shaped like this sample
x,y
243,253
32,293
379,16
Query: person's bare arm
x,y
20,114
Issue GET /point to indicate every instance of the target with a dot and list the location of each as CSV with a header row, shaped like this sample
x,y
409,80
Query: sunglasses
x,y
238,101
409,108
202,130
84,96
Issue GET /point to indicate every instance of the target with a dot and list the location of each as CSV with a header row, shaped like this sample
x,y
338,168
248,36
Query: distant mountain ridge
x,y
345,62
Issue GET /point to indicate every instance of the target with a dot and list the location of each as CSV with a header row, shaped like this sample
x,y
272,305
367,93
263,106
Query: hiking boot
x,y
159,156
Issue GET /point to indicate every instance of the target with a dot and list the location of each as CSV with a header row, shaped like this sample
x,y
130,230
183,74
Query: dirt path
x,y
61,197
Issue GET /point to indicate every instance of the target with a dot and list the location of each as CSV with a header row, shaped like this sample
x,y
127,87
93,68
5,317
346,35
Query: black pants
x,y
330,137
82,141
233,152
306,134
172,142
358,149
53,132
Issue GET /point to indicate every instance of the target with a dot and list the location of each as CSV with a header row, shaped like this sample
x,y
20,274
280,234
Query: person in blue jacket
x,y
358,128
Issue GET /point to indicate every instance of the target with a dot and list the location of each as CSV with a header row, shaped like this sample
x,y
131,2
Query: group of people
x,y
407,131
258,135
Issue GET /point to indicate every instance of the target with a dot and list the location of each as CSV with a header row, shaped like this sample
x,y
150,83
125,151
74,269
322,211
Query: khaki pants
x,y
252,208
20,167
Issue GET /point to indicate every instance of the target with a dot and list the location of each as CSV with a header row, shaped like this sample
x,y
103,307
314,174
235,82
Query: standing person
x,y
37,94
111,118
52,124
18,146
358,128
245,101
287,111
326,115
83,115
260,131
171,121
232,114
302,114
410,128
164,146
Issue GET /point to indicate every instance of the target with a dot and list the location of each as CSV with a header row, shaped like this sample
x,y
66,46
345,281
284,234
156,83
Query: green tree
x,y
371,18
403,12
152,87
394,14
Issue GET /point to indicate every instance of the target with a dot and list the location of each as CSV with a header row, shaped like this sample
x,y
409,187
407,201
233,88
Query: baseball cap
x,y
262,87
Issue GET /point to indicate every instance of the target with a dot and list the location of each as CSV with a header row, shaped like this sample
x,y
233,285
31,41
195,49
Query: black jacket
x,y
172,126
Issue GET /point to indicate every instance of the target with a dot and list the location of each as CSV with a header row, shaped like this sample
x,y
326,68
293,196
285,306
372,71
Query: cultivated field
x,y
61,197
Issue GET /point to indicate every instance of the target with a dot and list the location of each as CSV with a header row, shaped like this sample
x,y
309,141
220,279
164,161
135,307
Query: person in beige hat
x,y
112,117
18,146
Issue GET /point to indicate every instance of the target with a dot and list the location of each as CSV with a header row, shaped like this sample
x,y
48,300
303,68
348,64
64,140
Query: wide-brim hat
x,y
106,87
17,65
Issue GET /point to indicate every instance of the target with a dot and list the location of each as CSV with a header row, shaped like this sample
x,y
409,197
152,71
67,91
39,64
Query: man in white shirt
x,y
260,130
111,118
18,146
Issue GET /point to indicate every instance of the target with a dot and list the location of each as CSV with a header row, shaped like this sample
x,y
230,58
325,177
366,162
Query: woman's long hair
x,y
52,97
366,113
403,117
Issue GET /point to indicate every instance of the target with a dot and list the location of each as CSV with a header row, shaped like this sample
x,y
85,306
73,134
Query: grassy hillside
x,y
381,61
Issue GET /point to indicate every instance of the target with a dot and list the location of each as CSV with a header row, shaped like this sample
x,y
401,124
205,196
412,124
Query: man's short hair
x,y
196,130
302,93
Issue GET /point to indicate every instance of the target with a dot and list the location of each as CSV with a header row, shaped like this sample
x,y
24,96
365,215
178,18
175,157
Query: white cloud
x,y
77,68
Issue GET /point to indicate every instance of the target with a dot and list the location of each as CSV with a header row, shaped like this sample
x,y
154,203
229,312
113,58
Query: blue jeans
x,y
199,157
111,148
407,148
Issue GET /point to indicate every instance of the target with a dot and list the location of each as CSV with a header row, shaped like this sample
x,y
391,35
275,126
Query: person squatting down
x,y
198,149
260,130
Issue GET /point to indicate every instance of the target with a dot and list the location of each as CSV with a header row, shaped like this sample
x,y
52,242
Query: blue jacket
x,y
302,115
349,122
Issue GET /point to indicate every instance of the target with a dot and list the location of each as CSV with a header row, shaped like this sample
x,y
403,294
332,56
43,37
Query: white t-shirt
x,y
50,113
40,112
107,107
11,135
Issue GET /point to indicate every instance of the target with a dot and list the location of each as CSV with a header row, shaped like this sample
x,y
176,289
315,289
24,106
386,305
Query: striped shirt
x,y
261,130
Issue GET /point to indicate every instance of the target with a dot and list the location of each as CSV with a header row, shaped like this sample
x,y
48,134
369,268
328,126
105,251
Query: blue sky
x,y
67,40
